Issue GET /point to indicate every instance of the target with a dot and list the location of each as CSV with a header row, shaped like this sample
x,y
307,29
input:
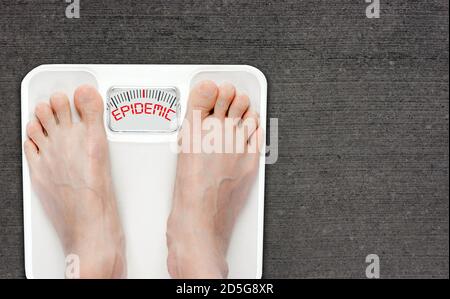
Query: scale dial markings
x,y
148,109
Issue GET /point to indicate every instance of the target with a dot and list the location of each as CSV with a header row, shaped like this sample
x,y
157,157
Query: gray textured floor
x,y
363,107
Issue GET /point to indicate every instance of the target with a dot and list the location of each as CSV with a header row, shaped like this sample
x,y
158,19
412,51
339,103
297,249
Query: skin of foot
x,y
210,188
70,173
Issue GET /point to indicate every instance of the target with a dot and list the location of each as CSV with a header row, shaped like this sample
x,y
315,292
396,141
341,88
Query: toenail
x,y
227,85
207,90
58,95
41,109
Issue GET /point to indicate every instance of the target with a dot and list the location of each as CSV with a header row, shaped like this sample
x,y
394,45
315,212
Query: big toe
x,y
202,98
89,104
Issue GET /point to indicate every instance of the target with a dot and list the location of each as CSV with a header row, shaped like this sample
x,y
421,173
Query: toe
x,y
31,151
250,123
60,104
89,104
36,133
44,114
202,98
224,99
239,106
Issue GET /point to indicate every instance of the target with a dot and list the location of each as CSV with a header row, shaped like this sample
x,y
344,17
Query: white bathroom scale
x,y
143,160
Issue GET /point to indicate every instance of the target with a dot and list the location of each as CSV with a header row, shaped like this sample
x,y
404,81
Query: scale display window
x,y
152,109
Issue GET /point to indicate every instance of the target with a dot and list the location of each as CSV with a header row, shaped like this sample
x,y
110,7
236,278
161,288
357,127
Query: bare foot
x,y
211,188
70,173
